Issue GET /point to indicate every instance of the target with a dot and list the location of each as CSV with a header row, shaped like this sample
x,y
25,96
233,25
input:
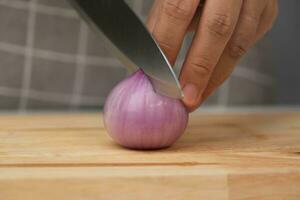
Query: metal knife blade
x,y
130,41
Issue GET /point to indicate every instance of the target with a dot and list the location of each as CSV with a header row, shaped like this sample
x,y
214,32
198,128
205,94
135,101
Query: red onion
x,y
136,117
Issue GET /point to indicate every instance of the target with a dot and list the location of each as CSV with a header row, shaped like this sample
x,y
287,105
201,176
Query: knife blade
x,y
128,38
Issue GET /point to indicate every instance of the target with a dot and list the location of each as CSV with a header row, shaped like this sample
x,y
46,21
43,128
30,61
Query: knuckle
x,y
201,66
252,20
239,45
220,25
178,9
237,50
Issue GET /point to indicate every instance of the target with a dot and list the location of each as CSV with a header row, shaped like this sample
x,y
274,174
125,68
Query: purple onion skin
x,y
138,118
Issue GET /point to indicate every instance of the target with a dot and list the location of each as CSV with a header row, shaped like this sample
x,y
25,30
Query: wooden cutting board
x,y
239,156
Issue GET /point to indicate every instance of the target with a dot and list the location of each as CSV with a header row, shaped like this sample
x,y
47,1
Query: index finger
x,y
215,29
169,21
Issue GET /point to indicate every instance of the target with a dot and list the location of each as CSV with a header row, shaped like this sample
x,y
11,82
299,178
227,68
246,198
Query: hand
x,y
224,31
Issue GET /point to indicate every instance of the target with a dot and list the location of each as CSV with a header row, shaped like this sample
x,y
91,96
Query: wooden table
x,y
236,156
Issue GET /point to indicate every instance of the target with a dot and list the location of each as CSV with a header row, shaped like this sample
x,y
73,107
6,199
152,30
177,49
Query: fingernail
x,y
190,92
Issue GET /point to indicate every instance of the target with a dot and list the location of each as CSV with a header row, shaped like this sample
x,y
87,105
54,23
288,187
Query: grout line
x,y
44,9
15,4
49,96
62,98
28,56
72,58
12,48
80,65
10,92
61,57
103,61
252,75
247,74
57,11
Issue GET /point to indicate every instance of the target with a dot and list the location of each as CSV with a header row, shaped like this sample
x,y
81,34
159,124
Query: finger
x,y
268,18
215,29
244,36
153,15
172,21
246,30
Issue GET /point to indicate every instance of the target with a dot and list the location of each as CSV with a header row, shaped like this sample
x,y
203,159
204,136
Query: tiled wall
x,y
49,59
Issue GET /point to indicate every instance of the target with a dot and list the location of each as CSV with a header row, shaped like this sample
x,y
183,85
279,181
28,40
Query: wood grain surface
x,y
237,156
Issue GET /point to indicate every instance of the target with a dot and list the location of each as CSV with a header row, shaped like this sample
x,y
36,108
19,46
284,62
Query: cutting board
x,y
237,156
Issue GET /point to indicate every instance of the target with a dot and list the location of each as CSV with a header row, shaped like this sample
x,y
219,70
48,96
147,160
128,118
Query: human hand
x,y
224,31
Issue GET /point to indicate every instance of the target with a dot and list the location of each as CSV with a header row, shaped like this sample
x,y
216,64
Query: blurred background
x,y
50,59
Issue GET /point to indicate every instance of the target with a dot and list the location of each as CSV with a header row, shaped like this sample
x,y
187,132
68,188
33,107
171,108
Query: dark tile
x,y
56,33
243,92
11,67
98,81
260,58
97,107
268,65
56,3
212,100
13,25
34,104
9,103
95,104
52,76
95,46
87,102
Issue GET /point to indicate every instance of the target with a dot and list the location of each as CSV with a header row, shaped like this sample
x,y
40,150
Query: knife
x,y
128,38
